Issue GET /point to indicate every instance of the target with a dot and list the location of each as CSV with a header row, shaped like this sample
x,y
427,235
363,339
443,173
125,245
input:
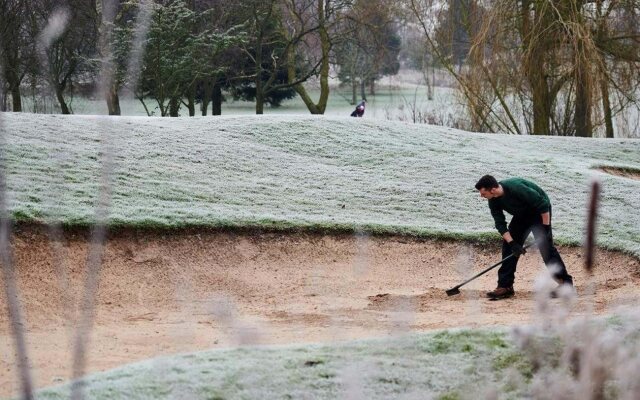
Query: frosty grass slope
x,y
446,365
308,172
455,364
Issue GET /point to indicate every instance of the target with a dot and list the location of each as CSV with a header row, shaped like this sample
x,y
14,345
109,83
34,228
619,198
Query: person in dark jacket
x,y
531,210
359,111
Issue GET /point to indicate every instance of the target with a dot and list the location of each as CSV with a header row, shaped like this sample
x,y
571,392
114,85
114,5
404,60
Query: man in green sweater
x,y
531,210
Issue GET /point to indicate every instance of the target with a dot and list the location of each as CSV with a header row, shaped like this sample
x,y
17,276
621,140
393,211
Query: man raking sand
x,y
531,210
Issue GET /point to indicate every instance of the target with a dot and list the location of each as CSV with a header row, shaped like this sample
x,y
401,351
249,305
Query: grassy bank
x,y
288,172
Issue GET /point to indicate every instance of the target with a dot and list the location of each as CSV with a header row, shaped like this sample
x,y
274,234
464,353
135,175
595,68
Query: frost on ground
x,y
448,363
316,172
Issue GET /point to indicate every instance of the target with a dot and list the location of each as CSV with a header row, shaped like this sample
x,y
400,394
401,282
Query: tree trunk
x,y
33,83
10,52
216,100
354,81
191,105
191,99
3,98
325,46
206,96
259,88
16,99
582,116
204,106
354,91
299,88
259,101
174,106
64,108
539,88
606,106
363,93
541,115
164,109
325,43
427,80
258,78
13,80
601,34
433,80
372,87
113,101
146,109
534,47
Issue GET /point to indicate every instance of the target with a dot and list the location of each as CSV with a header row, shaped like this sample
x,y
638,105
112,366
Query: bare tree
x,y
13,48
545,66
106,14
375,36
312,27
71,55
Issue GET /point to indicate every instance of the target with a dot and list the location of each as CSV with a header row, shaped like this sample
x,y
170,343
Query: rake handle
x,y
489,269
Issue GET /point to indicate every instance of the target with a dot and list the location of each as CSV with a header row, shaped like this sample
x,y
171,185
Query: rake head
x,y
453,291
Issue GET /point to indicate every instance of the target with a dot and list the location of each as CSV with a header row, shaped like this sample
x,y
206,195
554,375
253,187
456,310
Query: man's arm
x,y
498,217
507,237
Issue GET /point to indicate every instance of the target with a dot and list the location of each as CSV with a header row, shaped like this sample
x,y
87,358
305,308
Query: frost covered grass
x,y
304,172
586,359
447,364
387,103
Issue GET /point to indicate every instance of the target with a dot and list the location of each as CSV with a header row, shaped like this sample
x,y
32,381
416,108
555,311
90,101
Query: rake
x,y
456,289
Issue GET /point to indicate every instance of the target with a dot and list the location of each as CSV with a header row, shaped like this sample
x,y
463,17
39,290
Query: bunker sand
x,y
169,292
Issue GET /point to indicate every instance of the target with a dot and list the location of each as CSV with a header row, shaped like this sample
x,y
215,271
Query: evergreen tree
x,y
177,56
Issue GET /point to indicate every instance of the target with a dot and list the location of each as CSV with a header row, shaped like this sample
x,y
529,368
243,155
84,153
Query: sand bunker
x,y
164,293
630,173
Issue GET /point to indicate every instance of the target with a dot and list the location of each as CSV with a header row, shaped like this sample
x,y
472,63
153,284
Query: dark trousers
x,y
520,227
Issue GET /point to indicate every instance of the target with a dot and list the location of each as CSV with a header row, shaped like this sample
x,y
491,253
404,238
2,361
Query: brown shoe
x,y
501,293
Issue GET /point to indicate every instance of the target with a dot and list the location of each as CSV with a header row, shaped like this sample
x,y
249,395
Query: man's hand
x,y
517,249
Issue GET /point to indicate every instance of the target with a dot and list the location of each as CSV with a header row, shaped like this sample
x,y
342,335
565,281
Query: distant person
x,y
531,210
359,111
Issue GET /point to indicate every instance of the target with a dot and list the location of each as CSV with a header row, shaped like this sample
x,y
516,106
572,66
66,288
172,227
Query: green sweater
x,y
521,197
